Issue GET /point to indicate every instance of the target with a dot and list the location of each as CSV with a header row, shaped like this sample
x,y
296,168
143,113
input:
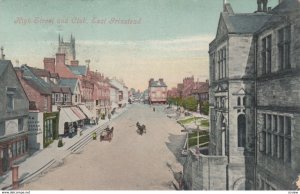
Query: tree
x,y
190,103
205,108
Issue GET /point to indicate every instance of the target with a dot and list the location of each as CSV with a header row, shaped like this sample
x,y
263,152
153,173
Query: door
x,y
5,160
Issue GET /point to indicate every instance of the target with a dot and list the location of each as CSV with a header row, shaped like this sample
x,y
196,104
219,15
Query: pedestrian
x,y
109,116
97,120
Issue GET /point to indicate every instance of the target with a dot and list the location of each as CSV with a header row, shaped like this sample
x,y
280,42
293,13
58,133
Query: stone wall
x,y
203,172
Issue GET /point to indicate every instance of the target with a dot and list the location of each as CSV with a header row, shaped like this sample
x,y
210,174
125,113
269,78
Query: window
x,y
20,124
241,130
275,138
2,128
45,103
65,97
10,102
284,39
266,55
57,98
222,63
76,98
244,101
239,101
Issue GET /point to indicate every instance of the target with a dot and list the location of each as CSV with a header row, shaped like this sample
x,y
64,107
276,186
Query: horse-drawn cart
x,y
141,128
107,134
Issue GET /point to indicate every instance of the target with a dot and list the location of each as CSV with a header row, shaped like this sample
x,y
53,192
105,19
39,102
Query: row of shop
x,y
44,128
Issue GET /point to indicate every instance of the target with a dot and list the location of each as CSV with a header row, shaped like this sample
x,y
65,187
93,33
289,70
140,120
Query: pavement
x,y
46,158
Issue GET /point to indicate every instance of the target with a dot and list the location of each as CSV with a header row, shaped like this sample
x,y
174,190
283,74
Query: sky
x,y
167,38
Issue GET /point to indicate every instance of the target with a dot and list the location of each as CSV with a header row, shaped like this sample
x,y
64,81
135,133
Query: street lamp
x,y
197,123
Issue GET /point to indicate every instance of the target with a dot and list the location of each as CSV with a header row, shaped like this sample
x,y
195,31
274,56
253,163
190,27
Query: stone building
x,y
254,95
68,48
277,99
14,106
188,85
157,91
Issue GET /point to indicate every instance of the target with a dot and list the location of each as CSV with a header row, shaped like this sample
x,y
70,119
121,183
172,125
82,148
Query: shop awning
x,y
63,118
72,116
86,111
78,113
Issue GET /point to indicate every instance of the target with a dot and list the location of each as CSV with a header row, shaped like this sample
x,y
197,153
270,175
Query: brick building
x,y
14,106
157,91
188,85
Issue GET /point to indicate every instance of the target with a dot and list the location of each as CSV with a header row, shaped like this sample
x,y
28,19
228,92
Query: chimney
x,y
75,63
265,5
49,64
259,6
60,59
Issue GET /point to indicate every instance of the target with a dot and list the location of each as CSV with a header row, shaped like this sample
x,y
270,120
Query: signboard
x,y
11,127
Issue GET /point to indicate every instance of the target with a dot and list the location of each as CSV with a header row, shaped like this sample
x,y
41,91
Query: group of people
x,y
97,118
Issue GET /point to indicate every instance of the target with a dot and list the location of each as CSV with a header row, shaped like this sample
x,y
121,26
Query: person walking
x,y
97,120
109,116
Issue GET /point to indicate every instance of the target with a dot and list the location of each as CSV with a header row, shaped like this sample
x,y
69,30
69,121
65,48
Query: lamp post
x,y
197,123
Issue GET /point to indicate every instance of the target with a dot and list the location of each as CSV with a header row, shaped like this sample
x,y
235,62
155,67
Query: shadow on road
x,y
175,144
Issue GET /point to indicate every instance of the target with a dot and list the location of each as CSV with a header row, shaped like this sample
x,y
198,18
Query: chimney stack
x,y
49,64
74,62
265,5
60,59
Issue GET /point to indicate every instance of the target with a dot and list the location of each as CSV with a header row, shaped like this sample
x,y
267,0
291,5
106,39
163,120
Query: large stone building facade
x,y
278,96
254,95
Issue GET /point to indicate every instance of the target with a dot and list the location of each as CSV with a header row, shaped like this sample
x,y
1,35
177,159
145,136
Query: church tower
x,y
68,48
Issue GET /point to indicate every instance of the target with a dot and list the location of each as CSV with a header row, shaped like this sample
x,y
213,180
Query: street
x,y
129,162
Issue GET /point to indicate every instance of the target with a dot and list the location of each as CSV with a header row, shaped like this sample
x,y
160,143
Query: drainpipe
x,y
255,39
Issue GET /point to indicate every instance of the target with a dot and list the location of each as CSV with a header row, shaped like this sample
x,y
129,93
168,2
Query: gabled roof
x,y
36,82
245,23
39,72
78,70
72,83
3,66
158,83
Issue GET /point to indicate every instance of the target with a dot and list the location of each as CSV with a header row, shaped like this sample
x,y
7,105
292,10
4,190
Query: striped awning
x,y
86,111
78,113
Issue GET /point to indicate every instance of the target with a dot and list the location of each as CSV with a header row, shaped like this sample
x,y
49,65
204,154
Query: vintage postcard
x,y
149,95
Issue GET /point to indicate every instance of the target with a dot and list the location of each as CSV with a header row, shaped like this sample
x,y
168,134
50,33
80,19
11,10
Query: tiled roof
x,y
287,6
68,82
36,82
158,83
245,23
78,70
39,72
202,89
3,66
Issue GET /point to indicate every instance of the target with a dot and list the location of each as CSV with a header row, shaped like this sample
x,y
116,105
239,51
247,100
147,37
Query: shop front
x,y
51,121
12,149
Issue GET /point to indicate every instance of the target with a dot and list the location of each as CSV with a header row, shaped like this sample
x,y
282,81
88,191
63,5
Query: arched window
x,y
241,130
239,101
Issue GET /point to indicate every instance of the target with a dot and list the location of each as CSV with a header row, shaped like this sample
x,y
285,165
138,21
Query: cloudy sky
x,y
169,40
